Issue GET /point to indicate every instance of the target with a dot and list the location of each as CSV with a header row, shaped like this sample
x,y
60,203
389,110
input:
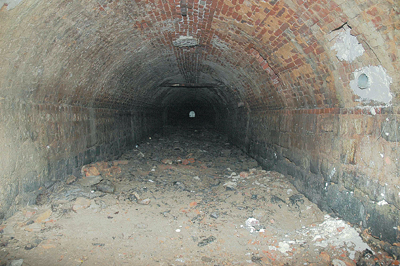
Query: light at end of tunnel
x,y
192,114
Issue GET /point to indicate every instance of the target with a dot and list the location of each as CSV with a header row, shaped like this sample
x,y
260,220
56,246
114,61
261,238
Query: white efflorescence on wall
x,y
372,83
347,46
10,3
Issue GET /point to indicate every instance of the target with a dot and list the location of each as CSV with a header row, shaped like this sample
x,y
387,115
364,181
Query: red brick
x,y
373,11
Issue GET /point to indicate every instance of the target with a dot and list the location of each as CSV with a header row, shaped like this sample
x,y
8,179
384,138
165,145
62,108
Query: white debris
x,y
196,177
347,46
336,232
230,184
250,223
382,203
284,247
337,262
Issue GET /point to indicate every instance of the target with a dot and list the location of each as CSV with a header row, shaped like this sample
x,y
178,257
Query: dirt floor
x,y
190,198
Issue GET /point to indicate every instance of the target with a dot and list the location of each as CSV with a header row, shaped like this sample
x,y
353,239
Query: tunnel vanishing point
x,y
308,88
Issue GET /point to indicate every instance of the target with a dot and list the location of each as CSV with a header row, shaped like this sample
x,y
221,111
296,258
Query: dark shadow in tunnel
x,y
178,115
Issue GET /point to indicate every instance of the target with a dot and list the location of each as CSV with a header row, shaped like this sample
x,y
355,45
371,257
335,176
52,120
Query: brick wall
x,y
344,159
43,143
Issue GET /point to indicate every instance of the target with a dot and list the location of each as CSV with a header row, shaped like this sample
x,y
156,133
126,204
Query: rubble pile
x,y
190,198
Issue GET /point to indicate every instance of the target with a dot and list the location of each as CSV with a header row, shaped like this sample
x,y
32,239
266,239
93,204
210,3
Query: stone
x,y
337,262
166,161
42,198
91,171
325,257
214,215
206,259
81,203
144,201
106,186
296,200
89,180
206,241
230,185
70,179
244,174
120,162
16,262
43,216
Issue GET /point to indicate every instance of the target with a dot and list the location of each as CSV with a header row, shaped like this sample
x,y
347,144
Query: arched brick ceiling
x,y
117,54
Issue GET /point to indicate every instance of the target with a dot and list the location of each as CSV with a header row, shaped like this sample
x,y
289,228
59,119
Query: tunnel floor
x,y
188,198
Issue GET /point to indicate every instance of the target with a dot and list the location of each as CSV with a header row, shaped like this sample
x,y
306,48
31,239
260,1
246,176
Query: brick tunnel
x,y
309,89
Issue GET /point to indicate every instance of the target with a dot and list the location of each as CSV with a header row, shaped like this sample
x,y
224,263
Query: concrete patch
x,y
378,85
10,3
347,46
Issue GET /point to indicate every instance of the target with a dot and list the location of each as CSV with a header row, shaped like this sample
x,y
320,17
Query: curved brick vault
x,y
83,80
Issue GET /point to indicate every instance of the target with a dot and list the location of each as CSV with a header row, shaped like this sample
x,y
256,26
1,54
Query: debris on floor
x,y
189,198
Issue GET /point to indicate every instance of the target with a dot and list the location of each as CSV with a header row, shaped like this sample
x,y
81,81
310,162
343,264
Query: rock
x,y
114,170
30,246
206,241
325,257
180,185
16,262
296,199
206,259
167,161
256,259
244,174
89,181
42,198
178,149
43,216
71,192
101,165
276,199
252,222
81,203
90,171
120,162
337,262
144,202
214,215
70,179
230,185
106,186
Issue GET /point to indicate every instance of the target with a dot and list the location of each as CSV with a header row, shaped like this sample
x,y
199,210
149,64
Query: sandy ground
x,y
190,198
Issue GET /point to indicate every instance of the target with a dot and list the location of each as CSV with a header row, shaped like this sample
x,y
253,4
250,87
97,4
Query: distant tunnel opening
x,y
191,114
